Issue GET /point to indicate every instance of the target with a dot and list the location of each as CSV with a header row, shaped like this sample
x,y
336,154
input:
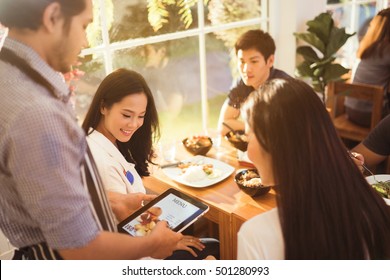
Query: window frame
x,y
106,49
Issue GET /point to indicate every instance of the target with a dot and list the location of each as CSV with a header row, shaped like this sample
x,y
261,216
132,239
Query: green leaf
x,y
321,26
334,72
323,36
319,88
338,37
157,14
304,69
322,63
312,39
318,72
308,53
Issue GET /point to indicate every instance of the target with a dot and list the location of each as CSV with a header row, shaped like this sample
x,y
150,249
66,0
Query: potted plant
x,y
324,40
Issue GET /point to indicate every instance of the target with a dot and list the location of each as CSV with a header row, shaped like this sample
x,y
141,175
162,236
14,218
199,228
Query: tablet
x,y
178,209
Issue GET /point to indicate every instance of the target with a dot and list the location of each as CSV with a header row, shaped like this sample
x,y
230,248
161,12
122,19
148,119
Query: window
x,y
355,16
188,67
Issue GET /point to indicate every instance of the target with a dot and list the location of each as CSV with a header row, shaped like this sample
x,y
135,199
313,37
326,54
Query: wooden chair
x,y
337,91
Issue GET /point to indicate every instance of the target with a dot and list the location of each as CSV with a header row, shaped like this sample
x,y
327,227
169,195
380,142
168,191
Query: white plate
x,y
175,173
380,178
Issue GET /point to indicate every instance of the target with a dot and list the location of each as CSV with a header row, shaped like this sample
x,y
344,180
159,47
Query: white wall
x,y
287,17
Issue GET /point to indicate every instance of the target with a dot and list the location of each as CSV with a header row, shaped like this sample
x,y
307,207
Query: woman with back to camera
x,y
122,124
372,67
325,207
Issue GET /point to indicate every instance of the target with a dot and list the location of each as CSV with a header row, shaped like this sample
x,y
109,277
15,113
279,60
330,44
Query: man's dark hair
x,y
256,39
28,13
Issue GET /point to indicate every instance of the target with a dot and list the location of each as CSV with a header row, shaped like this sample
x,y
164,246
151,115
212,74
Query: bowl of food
x,y
249,181
198,145
238,139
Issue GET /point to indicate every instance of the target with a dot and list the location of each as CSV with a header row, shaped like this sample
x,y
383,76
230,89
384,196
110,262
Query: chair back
x,y
337,91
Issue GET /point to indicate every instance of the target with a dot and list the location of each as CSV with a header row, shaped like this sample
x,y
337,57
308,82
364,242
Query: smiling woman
x,y
124,113
120,125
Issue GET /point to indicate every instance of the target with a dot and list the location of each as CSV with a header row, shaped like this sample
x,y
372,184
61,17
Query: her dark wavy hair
x,y
113,89
326,208
28,13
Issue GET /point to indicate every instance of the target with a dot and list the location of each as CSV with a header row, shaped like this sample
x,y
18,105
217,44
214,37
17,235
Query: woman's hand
x,y
189,241
123,205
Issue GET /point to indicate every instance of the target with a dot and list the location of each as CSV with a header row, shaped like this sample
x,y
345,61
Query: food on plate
x,y
192,172
383,188
207,168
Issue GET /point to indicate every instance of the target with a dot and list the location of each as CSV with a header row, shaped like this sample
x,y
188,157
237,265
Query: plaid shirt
x,y
42,196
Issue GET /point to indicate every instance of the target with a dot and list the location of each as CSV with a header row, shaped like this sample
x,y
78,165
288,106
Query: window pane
x,y
341,15
131,20
88,83
173,73
365,14
221,12
94,30
171,68
219,76
221,68
355,18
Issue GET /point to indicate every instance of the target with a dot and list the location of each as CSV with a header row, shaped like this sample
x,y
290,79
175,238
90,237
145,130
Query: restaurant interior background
x,y
189,64
186,55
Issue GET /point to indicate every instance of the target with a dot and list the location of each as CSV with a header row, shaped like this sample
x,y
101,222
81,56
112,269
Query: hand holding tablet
x,y
174,207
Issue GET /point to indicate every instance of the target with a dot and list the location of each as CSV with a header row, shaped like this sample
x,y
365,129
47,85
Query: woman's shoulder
x,y
263,234
269,221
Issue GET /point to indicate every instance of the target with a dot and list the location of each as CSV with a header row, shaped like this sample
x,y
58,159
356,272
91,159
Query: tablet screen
x,y
178,209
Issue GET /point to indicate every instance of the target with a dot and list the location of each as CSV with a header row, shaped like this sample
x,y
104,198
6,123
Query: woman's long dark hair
x,y
376,41
116,86
326,208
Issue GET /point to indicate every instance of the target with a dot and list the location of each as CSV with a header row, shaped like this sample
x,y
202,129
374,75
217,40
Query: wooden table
x,y
229,206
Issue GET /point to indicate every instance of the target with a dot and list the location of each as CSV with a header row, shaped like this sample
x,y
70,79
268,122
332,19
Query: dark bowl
x,y
255,190
199,146
237,139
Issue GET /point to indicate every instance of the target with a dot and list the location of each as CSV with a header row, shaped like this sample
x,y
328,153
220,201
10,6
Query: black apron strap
x,y
36,252
101,205
10,57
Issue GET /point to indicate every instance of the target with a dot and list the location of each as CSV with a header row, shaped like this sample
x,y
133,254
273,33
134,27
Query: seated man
x,y
255,51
